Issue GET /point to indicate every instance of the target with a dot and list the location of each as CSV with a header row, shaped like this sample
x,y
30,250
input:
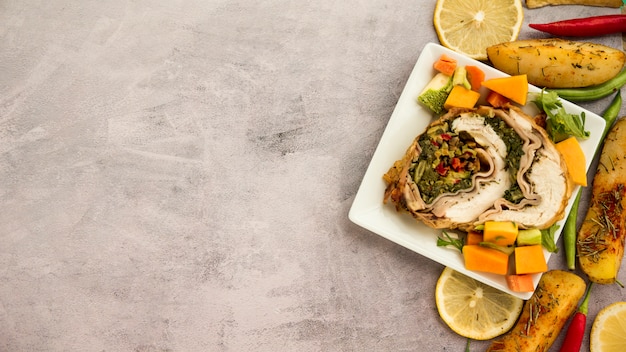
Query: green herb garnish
x,y
560,124
547,238
450,241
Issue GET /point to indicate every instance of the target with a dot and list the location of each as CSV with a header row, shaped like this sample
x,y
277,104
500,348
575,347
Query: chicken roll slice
x,y
474,165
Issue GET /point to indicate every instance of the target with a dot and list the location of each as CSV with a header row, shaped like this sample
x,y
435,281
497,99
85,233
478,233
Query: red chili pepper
x,y
576,331
584,27
446,137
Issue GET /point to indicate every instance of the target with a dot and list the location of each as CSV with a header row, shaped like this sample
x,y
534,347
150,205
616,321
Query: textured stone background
x,y
176,176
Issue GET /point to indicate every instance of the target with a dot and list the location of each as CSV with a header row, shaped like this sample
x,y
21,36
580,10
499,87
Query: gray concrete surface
x,y
176,176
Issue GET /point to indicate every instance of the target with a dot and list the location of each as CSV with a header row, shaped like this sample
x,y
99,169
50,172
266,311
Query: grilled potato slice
x,y
600,240
557,63
544,314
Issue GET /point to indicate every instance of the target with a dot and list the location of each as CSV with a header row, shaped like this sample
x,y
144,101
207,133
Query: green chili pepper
x,y
594,92
569,229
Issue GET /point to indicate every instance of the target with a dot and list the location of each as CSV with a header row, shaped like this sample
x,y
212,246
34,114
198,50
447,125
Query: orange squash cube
x,y
479,258
530,260
502,233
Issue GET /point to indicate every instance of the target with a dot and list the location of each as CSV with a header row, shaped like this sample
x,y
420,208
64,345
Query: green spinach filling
x,y
449,160
514,153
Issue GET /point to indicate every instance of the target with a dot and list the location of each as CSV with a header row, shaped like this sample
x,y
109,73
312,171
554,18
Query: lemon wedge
x,y
469,27
608,332
473,309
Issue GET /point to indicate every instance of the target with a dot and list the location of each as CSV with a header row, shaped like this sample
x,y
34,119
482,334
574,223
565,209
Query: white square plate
x,y
408,120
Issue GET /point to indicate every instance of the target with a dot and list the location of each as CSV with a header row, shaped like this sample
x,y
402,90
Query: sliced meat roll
x,y
475,165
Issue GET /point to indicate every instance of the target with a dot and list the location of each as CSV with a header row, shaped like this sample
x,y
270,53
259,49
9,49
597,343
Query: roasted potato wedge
x,y
544,314
533,4
557,63
600,240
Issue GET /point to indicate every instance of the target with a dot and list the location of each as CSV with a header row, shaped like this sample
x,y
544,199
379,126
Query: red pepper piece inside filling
x,y
441,169
456,164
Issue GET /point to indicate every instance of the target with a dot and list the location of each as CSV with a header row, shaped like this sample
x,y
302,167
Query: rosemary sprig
x,y
534,310
609,204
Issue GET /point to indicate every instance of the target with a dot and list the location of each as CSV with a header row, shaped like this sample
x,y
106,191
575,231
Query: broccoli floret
x,y
436,93
434,99
437,90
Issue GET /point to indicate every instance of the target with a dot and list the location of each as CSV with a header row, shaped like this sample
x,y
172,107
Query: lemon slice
x,y
473,309
608,332
469,27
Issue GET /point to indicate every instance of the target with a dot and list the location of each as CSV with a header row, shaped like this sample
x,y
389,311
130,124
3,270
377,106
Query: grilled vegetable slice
x,y
600,241
544,314
557,63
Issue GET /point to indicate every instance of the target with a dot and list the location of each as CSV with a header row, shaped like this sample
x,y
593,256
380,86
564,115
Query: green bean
x,y
611,113
569,229
593,92
569,233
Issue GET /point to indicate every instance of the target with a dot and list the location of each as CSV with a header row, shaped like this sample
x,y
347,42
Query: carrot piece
x,y
530,260
461,97
497,100
520,283
502,233
473,237
512,87
445,65
574,159
484,259
476,76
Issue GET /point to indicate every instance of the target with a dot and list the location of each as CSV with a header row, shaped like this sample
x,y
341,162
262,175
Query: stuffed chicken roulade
x,y
474,165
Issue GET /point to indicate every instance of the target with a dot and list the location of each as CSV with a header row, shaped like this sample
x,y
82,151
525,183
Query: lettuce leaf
x,y
547,238
560,124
